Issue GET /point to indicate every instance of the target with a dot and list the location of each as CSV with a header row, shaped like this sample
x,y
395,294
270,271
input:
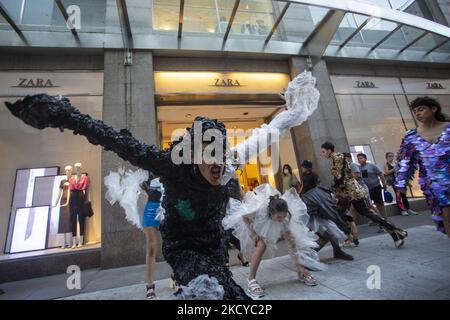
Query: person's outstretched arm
x,y
44,111
302,99
407,162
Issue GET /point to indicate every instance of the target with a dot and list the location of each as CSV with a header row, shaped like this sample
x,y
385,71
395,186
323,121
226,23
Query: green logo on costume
x,y
185,210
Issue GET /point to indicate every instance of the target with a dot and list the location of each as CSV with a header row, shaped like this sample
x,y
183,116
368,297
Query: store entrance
x,y
172,120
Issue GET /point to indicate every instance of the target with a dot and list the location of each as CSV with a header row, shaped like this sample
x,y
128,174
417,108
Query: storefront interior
x,y
240,120
32,171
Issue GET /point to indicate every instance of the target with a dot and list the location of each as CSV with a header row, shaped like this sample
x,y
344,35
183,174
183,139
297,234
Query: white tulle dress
x,y
302,99
126,190
301,240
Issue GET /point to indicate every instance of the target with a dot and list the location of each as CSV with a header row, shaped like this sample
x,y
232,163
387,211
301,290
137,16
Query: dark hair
x,y
206,124
430,103
347,155
277,205
362,155
307,164
388,153
286,166
328,146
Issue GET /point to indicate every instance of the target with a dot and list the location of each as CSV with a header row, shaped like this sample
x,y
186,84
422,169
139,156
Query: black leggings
x,y
73,222
361,207
77,199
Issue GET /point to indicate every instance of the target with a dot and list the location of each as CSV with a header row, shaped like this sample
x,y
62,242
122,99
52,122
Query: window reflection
x,y
45,14
254,17
380,121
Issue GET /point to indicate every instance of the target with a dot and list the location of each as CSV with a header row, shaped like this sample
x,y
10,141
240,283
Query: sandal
x,y
348,244
151,295
307,279
254,289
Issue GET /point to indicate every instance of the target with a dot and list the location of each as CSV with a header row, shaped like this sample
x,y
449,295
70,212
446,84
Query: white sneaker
x,y
413,212
404,213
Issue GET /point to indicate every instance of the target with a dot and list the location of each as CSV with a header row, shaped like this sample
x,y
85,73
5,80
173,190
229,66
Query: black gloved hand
x,y
42,111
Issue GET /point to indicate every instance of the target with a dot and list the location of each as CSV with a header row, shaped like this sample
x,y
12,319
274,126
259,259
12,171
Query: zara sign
x,y
34,83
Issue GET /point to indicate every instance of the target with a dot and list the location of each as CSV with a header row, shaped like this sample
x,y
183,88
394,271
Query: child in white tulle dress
x,y
262,219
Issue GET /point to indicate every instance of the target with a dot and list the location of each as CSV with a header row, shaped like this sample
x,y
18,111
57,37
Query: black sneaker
x,y
340,254
356,242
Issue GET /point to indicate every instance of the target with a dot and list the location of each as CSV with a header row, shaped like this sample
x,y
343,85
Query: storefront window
x,y
85,15
212,16
254,18
165,15
377,122
300,20
13,7
48,149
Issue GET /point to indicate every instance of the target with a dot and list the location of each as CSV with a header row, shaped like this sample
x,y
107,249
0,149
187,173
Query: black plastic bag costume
x,y
320,204
194,240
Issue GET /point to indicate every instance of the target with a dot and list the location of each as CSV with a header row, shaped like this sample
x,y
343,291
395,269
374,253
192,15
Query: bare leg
x,y
446,217
150,257
256,259
301,270
354,229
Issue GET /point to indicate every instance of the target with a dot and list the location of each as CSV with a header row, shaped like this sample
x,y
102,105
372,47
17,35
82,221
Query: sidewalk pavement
x,y
419,270
416,271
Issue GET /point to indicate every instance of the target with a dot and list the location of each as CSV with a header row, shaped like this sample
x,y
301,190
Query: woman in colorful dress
x,y
427,148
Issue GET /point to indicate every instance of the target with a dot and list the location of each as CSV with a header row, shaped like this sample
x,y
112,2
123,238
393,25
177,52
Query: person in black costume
x,y
320,206
194,240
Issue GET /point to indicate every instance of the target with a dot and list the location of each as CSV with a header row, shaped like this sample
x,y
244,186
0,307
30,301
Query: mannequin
x,y
79,184
64,225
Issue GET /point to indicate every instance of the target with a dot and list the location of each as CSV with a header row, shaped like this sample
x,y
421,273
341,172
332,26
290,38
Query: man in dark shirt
x,y
310,180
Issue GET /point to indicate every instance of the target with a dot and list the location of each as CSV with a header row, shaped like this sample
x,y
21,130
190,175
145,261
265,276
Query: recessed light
x,y
188,115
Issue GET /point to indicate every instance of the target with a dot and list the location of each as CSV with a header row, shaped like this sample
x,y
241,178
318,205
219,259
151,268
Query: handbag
x,y
87,209
388,196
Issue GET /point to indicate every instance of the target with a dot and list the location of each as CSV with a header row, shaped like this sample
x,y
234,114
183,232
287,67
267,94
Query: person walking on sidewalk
x,y
390,168
372,175
327,221
153,188
310,180
428,149
290,180
345,185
